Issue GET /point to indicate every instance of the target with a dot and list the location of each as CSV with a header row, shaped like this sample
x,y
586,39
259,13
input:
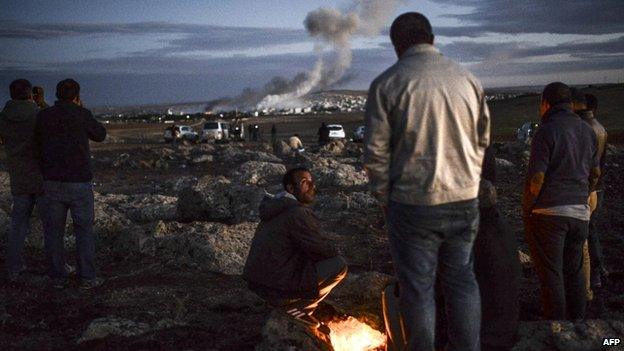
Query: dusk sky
x,y
137,52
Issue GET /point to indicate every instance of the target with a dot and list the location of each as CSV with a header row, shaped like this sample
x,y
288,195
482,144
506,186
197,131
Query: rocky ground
x,y
173,228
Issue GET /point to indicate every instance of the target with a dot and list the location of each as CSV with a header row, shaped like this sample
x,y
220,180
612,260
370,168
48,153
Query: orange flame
x,y
353,335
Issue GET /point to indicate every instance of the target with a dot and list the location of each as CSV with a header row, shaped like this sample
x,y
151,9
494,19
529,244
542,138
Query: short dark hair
x,y
20,89
592,102
578,97
67,90
557,93
409,29
290,178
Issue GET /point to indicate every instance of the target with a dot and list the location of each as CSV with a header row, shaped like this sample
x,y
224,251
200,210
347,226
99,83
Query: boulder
x,y
215,247
150,208
358,201
331,172
101,328
334,148
258,173
239,155
281,148
219,200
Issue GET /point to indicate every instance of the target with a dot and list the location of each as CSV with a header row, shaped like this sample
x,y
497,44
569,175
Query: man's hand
x,y
532,188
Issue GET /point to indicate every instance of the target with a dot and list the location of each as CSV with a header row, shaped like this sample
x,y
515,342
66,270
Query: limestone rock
x,y
258,173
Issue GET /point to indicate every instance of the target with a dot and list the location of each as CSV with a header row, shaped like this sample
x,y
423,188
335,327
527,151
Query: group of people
x,y
49,163
430,164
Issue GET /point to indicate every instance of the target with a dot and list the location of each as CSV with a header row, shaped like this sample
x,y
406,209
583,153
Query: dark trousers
x,y
556,245
329,273
23,206
77,198
595,248
429,239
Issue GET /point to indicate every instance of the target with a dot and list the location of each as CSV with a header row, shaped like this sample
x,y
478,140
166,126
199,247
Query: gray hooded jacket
x,y
17,125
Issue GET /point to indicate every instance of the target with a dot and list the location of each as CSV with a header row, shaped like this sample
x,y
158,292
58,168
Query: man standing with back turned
x,y
17,125
564,167
62,133
427,127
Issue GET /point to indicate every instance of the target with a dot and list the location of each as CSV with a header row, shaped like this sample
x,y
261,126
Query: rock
x,y
281,148
329,171
258,173
151,208
202,159
219,200
214,247
334,148
101,328
358,201
280,333
565,335
238,155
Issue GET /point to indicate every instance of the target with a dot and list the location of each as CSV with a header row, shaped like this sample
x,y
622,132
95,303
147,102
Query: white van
x,y
216,130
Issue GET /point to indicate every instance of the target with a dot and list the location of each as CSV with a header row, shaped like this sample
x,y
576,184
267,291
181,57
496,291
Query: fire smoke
x,y
335,30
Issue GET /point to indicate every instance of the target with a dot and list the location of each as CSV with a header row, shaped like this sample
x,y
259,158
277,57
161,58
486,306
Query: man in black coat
x,y
291,264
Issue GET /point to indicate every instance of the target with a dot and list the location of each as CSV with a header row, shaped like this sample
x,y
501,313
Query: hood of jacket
x,y
274,205
20,110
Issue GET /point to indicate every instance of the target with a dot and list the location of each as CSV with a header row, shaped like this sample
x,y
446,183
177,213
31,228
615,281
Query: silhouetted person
x,y
427,127
273,134
323,134
564,166
39,97
62,133
585,106
17,126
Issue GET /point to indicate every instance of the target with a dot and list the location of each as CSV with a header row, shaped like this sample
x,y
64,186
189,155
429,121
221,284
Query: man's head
x,y
38,94
579,101
68,90
20,89
592,102
410,29
554,94
299,183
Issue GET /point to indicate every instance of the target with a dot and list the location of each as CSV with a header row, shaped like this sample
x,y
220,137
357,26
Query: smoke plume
x,y
334,30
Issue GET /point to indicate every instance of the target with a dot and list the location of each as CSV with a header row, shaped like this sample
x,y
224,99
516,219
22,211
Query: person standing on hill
x,y
563,168
39,97
62,134
323,134
427,128
17,126
585,106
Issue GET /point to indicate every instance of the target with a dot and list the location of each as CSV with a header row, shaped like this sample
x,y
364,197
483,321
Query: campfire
x,y
353,335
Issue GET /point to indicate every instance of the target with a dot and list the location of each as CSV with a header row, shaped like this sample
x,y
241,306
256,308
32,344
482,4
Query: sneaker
x,y
303,317
88,284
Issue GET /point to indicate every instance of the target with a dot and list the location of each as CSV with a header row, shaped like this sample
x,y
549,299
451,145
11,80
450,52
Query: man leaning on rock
x,y
62,134
17,125
291,265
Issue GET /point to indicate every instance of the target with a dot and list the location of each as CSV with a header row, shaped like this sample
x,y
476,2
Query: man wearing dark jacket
x,y
564,167
62,134
290,264
17,125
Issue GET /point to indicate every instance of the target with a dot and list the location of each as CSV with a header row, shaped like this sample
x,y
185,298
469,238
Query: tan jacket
x,y
427,127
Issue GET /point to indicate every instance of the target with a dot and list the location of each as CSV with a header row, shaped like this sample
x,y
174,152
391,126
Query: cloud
x,y
193,37
539,16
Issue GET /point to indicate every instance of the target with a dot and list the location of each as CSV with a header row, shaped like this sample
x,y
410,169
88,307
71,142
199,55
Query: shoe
x,y
303,317
88,284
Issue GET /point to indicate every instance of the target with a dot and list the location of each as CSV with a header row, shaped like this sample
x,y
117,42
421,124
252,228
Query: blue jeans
x,y
429,239
77,198
23,206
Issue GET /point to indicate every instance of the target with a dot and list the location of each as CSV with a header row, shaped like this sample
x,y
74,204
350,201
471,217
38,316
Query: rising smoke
x,y
335,30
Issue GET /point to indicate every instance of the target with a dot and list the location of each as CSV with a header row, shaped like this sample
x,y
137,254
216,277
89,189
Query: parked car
x,y
182,133
336,131
527,131
216,131
358,134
